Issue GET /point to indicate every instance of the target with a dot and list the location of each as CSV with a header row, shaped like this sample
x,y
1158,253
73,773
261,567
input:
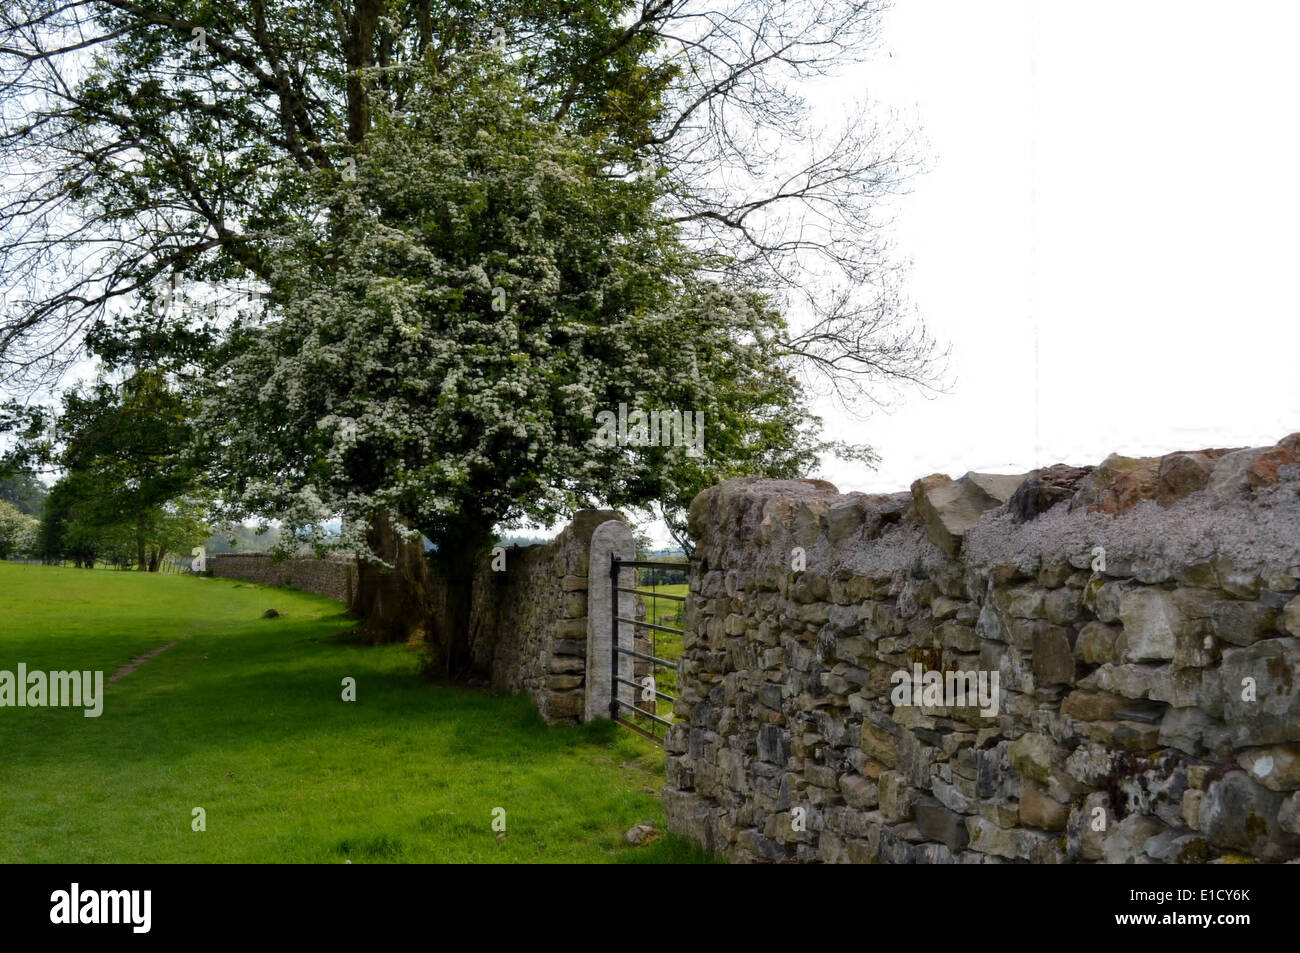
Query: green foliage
x,y
130,491
187,119
60,536
465,307
25,492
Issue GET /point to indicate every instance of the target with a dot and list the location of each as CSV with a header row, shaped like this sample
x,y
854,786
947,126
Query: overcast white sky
x,y
1107,235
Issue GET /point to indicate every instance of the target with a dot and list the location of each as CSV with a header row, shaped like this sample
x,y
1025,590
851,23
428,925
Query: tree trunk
x,y
358,40
395,603
140,562
422,599
454,565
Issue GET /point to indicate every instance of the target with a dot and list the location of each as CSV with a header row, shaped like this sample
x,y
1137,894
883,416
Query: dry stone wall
x,y
529,621
334,577
529,626
1139,619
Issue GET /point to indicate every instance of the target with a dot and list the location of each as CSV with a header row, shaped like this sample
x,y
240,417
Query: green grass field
x,y
666,645
244,718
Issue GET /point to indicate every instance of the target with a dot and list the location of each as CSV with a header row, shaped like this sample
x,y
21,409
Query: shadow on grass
x,y
235,691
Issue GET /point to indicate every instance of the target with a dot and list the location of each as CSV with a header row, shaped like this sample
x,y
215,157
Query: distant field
x,y
667,645
243,717
664,645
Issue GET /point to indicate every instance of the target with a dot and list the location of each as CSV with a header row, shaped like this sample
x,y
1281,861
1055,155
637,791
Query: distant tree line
x,y
238,538
129,490
662,575
24,492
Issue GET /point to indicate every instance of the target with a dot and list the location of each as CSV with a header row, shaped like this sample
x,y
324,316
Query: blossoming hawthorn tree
x,y
18,531
452,324
143,144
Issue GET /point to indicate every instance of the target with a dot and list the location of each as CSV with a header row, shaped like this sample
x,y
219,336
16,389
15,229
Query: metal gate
x,y
653,657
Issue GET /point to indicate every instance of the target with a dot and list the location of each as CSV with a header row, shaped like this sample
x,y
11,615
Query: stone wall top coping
x,y
1243,512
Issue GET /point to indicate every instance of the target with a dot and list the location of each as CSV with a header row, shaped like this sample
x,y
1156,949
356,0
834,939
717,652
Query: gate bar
x,y
640,731
647,658
651,625
642,564
646,714
654,595
639,686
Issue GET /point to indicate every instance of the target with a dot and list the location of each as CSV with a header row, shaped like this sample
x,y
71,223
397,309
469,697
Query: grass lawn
x,y
244,718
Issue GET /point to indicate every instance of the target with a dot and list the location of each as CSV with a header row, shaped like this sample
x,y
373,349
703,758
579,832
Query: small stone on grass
x,y
642,834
